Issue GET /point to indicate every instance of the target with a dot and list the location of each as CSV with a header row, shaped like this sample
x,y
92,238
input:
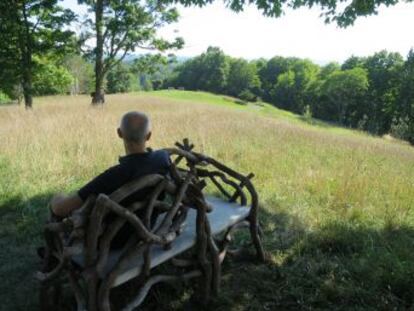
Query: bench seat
x,y
223,215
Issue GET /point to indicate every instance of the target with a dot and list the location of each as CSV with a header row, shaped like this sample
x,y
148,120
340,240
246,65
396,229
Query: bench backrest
x,y
90,235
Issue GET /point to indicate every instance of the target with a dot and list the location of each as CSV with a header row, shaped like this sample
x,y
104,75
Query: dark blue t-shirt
x,y
130,167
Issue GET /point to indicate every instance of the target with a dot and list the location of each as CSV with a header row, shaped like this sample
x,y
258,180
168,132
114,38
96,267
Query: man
x,y
135,131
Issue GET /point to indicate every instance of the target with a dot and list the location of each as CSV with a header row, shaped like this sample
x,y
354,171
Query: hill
x,y
337,205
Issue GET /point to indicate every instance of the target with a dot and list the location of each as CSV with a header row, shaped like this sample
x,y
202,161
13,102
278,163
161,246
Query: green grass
x,y
336,205
262,108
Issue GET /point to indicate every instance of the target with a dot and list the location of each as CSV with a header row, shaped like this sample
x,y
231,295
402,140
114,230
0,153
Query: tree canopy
x,y
344,14
29,28
121,26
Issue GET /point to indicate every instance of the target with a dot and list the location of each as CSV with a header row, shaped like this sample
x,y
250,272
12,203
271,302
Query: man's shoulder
x,y
160,152
161,155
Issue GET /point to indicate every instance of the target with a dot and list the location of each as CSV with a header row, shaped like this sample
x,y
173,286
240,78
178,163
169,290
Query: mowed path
x,y
337,205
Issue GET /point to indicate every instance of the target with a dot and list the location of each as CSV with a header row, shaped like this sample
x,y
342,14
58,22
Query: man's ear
x,y
119,132
149,136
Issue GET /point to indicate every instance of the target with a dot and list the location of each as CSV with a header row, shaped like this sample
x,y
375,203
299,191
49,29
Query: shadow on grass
x,y
339,266
20,233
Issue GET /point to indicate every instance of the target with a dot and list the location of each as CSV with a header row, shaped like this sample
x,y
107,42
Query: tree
x,y
405,104
243,80
207,72
344,14
29,28
342,96
119,79
283,91
328,69
149,63
187,74
50,79
153,69
292,87
270,72
82,73
121,26
353,62
215,70
384,70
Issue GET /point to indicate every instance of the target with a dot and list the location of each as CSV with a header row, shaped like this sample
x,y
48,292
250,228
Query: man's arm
x,y
63,205
107,182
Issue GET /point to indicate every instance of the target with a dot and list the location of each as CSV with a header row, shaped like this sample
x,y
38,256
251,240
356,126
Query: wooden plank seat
x,y
223,216
78,248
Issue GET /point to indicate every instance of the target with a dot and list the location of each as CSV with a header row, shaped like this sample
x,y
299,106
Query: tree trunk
x,y
25,42
27,77
98,95
27,88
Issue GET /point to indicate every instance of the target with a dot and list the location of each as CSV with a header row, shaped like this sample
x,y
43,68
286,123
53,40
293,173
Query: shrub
x,y
400,128
246,95
50,79
307,114
4,99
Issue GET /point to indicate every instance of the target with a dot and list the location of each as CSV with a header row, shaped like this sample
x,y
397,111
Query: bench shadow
x,y
21,221
338,266
239,273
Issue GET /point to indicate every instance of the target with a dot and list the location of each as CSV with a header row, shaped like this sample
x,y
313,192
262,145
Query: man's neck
x,y
132,149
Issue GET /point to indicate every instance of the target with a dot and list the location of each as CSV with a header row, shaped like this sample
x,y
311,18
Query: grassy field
x,y
337,205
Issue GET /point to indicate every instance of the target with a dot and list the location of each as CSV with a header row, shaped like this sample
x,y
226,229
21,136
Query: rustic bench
x,y
190,231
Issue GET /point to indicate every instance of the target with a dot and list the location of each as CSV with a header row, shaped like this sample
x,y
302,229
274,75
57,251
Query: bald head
x,y
135,127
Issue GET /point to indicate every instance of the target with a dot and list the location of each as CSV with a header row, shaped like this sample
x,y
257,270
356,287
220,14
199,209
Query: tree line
x,y
37,35
374,93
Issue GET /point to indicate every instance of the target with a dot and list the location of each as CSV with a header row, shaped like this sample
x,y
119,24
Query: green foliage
x,y
215,71
149,63
82,73
208,72
153,69
146,83
365,93
119,79
30,28
400,128
243,80
50,79
328,70
307,114
344,14
270,71
122,26
4,99
247,96
292,86
342,96
384,70
353,61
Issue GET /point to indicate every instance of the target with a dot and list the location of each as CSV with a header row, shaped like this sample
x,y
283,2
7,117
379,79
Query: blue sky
x,y
301,33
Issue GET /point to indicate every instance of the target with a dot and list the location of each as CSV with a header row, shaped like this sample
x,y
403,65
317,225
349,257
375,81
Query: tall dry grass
x,y
312,176
64,142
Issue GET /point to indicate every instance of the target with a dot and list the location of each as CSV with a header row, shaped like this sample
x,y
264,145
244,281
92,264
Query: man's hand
x,y
62,205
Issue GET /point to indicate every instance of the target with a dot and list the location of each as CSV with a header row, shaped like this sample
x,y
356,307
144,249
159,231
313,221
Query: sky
x,y
300,33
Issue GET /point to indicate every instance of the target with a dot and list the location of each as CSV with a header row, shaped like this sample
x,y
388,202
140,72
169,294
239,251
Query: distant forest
x,y
374,94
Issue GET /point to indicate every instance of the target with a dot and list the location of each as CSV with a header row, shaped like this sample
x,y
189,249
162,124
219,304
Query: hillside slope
x,y
337,205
